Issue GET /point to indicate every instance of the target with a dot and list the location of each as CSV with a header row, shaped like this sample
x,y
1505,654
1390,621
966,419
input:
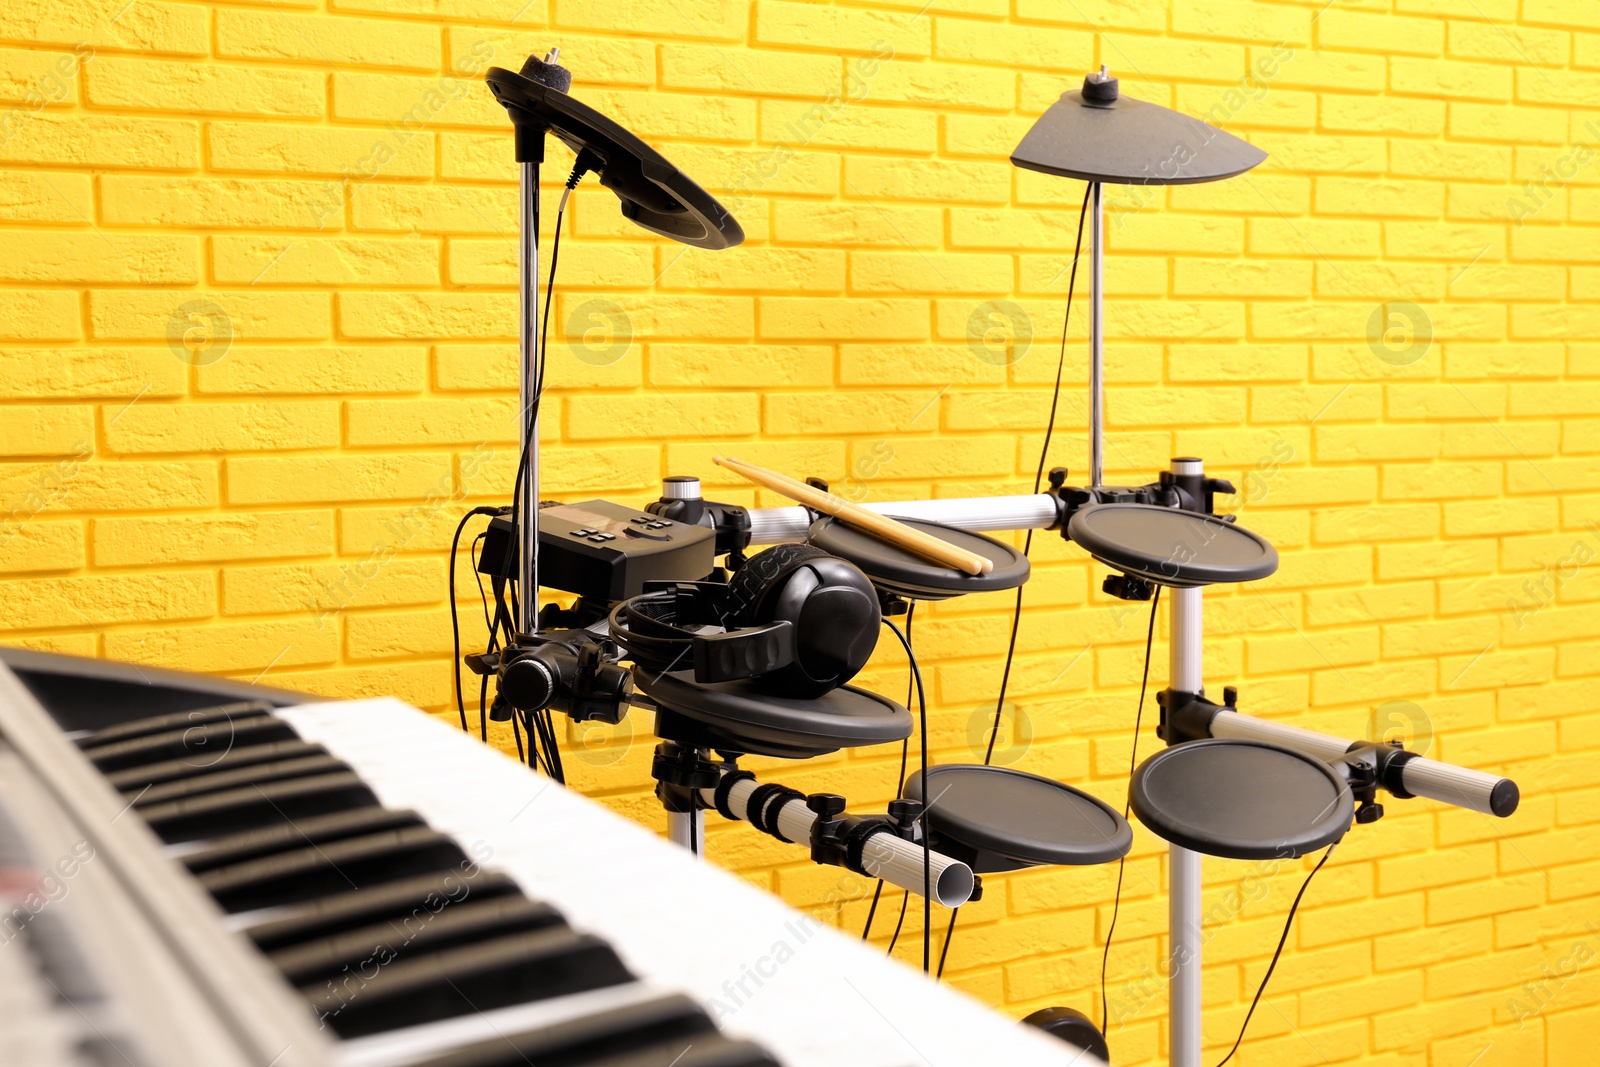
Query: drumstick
x,y
881,526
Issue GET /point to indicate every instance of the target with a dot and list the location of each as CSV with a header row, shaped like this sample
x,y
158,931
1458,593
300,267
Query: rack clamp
x,y
681,772
838,839
1369,766
1187,716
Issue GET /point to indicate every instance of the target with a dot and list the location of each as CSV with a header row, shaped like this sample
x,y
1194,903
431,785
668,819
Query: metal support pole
x,y
1097,262
687,829
1183,866
527,517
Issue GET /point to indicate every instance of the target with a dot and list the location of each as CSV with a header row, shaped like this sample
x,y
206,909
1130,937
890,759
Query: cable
x,y
1133,761
949,932
900,782
455,624
905,898
1038,477
1287,925
927,852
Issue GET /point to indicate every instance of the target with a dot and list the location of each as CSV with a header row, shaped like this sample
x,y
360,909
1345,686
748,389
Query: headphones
x,y
800,620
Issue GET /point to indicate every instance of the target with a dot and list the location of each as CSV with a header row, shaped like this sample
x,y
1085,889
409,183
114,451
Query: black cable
x,y
900,782
950,931
1038,476
455,623
1133,761
1287,925
905,898
927,852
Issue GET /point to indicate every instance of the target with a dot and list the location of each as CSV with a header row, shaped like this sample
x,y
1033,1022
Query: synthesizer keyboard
x,y
385,891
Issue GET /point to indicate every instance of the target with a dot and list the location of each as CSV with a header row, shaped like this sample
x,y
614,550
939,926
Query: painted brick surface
x,y
258,316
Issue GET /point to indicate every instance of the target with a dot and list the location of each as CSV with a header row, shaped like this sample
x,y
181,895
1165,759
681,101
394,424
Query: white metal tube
x,y
1423,777
1031,511
687,829
528,511
1097,310
1187,674
1183,925
895,860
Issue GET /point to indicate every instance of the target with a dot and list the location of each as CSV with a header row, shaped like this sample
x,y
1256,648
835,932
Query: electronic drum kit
x,y
796,629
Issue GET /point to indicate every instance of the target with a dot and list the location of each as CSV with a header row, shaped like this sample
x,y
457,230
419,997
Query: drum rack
x,y
1093,135
1187,716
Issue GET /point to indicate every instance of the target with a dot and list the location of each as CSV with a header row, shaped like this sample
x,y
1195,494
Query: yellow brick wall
x,y
257,323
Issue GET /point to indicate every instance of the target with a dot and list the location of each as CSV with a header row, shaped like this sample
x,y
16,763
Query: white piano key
x,y
765,971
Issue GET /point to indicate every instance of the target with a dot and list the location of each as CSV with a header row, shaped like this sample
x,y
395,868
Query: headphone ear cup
x,y
829,602
763,573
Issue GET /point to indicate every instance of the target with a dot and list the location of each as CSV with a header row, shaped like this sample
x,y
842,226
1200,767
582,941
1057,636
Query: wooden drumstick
x,y
880,526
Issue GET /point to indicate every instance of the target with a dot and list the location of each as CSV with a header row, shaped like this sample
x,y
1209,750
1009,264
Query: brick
x,y
211,538
45,196
38,315
58,373
803,318
717,20
149,315
177,29
843,224
103,141
327,39
607,266
801,126
681,416
422,422
881,34
394,152
40,545
758,268
919,272
433,209
38,79
324,589
474,367
422,315
1361,31
196,427
414,101
766,72
96,258
268,261
86,486
323,479
149,200
345,369
40,603
1231,20
242,646
47,430
1367,115
210,89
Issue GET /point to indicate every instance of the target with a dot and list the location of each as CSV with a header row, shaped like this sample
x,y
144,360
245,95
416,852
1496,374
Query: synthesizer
x,y
259,877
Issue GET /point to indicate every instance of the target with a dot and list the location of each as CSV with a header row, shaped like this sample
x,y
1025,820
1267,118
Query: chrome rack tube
x,y
884,855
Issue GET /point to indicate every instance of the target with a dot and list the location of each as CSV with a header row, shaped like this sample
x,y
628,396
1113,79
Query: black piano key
x,y
384,994
320,870
393,900
669,1032
259,773
414,935
250,807
200,744
135,778
178,720
315,829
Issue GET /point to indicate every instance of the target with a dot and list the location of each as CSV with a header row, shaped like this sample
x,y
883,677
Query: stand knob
x,y
527,683
828,806
1230,696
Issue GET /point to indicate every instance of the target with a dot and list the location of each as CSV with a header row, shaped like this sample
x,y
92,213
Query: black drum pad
x,y
1170,546
998,819
738,717
1242,800
896,570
